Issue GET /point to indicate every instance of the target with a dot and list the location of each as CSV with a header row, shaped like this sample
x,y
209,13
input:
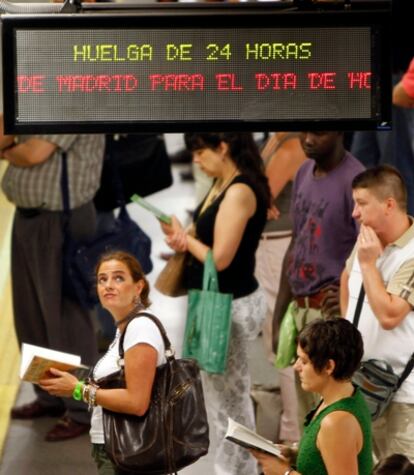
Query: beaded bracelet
x,y
77,392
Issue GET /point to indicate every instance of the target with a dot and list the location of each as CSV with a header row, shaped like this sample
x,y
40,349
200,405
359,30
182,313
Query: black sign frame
x,y
240,17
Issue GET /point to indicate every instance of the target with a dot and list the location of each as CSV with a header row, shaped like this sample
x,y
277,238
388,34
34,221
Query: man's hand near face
x,y
369,246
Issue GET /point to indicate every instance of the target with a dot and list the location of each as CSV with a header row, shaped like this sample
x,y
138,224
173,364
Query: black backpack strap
x,y
358,307
167,343
407,370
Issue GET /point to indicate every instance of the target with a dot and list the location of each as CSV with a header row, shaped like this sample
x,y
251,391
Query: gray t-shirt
x,y
323,227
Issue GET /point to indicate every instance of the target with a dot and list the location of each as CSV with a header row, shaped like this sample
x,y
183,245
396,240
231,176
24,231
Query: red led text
x,y
360,80
322,80
275,81
177,82
227,82
98,83
30,83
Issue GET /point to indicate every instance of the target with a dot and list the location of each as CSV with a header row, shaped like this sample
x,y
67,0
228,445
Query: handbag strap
x,y
210,279
169,353
409,366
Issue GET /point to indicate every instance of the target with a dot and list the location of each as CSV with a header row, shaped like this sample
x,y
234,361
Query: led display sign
x,y
142,71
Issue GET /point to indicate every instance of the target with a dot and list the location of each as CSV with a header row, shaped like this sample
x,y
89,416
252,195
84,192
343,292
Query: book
x,y
151,208
36,362
245,437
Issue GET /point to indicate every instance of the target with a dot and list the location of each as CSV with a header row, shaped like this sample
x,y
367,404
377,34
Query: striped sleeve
x,y
402,283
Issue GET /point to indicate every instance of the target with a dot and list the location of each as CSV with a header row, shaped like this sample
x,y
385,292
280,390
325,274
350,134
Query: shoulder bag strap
x,y
410,365
406,372
358,307
168,351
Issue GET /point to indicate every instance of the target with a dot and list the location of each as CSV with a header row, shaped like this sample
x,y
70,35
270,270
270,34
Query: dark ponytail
x,y
243,152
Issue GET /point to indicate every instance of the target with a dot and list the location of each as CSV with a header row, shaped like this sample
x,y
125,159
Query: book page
x,y
245,437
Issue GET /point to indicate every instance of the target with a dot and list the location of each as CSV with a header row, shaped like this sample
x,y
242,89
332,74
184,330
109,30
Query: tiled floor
x,y
25,452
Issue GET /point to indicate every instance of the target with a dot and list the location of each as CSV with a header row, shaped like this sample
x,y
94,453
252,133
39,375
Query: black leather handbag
x,y
174,432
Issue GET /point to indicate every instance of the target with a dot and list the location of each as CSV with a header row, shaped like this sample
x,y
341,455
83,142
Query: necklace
x,y
130,315
105,356
226,182
216,191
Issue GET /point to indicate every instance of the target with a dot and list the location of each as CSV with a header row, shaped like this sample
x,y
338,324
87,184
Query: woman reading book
x,y
337,434
123,290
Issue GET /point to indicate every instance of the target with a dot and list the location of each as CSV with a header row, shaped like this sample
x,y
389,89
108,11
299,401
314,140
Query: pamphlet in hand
x,y
36,362
245,437
149,207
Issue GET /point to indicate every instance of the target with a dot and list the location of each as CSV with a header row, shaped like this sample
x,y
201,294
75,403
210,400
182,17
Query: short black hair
x,y
396,464
334,339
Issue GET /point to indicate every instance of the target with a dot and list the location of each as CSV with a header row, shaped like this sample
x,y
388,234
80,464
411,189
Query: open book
x,y
245,437
36,362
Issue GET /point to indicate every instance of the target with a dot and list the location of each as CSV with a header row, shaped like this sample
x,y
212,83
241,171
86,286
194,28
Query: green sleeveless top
x,y
310,462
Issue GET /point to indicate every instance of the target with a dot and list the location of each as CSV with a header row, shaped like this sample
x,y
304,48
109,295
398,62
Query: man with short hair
x,y
383,262
323,235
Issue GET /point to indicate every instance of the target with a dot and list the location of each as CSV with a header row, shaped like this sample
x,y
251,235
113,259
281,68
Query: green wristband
x,y
77,392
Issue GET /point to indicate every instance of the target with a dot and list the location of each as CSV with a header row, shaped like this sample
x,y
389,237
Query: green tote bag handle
x,y
210,279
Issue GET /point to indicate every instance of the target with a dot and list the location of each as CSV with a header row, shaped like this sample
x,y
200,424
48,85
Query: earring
x,y
137,300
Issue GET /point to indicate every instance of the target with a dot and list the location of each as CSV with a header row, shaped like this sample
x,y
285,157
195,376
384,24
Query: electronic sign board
x,y
265,70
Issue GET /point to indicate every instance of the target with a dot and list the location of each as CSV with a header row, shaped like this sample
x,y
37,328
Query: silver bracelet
x,y
92,397
85,393
289,471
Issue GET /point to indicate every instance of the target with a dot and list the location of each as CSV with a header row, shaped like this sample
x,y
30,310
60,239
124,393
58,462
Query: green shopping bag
x,y
286,348
207,331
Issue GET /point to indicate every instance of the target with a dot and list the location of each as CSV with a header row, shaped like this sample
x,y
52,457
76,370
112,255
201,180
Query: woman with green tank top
x,y
337,434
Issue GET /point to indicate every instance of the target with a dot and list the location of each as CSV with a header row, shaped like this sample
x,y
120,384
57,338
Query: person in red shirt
x,y
403,92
